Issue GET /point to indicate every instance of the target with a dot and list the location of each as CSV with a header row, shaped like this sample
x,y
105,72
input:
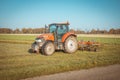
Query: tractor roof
x,y
66,23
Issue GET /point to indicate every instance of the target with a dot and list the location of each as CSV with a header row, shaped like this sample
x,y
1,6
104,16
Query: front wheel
x,y
71,44
48,48
35,48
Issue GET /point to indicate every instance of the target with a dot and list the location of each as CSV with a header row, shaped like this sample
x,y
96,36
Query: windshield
x,y
52,28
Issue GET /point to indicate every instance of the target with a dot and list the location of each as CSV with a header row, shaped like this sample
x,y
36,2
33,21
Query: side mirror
x,y
46,26
46,29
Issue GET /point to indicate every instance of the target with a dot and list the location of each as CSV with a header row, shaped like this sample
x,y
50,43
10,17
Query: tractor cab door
x,y
58,31
61,30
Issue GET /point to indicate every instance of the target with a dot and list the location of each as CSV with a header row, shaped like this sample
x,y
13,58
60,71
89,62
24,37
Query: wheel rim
x,y
49,49
71,45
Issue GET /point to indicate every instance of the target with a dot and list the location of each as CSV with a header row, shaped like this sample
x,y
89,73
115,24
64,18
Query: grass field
x,y
16,62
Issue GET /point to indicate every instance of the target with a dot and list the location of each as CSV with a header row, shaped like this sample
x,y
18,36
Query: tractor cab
x,y
58,29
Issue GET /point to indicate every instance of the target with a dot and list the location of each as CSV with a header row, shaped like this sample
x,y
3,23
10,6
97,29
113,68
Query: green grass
x,y
17,37
25,39
102,40
17,63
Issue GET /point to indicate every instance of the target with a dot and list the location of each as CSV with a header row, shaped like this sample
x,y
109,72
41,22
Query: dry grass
x,y
79,35
100,35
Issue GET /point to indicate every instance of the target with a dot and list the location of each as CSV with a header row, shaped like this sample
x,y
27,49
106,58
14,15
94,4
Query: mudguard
x,y
66,35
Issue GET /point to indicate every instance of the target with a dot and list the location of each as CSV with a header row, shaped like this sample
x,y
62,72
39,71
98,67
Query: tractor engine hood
x,y
47,36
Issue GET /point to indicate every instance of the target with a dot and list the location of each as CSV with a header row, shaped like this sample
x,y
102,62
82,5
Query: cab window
x,y
52,28
62,29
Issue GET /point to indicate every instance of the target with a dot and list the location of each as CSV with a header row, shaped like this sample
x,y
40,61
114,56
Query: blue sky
x,y
82,14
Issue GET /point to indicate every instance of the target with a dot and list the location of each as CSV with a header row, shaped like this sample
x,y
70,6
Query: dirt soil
x,y
111,72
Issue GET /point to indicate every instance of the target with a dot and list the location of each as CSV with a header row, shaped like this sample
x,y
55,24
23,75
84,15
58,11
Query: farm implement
x,y
88,45
58,37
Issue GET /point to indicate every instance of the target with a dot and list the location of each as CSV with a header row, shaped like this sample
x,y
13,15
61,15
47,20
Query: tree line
x,y
42,30
22,31
98,31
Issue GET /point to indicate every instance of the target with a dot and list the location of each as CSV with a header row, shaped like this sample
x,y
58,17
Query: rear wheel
x,y
48,48
71,44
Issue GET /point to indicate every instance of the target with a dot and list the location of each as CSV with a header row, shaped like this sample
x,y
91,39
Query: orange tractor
x,y
58,38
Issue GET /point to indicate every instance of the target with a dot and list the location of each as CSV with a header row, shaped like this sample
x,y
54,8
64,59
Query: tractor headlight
x,y
38,40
